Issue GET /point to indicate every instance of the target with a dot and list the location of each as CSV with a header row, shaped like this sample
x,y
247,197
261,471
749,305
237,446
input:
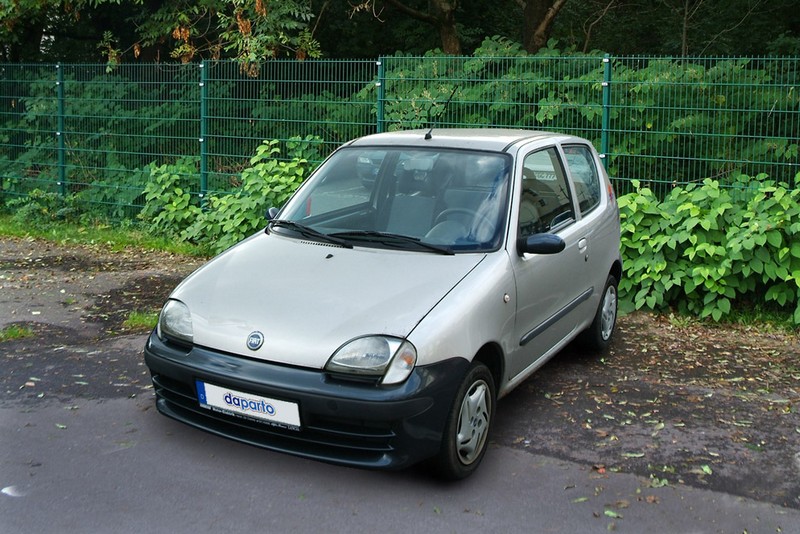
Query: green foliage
x,y
116,126
268,182
672,121
41,209
171,206
118,195
108,44
715,125
257,32
172,209
501,85
704,246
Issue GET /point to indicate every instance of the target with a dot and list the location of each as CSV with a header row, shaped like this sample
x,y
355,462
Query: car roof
x,y
494,139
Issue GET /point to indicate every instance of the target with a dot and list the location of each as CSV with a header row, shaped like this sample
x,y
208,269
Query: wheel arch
x,y
491,355
616,270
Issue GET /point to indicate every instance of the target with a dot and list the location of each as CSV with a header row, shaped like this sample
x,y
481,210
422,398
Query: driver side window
x,y
545,202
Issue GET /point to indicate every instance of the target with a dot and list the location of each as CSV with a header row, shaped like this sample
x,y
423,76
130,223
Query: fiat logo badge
x,y
255,340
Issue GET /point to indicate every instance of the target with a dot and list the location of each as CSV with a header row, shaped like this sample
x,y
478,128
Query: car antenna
x,y
429,135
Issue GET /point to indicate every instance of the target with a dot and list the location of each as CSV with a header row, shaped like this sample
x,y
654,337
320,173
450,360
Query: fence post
x,y
606,122
203,133
62,146
381,94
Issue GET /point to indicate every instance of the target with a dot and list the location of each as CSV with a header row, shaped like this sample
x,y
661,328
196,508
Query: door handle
x,y
583,244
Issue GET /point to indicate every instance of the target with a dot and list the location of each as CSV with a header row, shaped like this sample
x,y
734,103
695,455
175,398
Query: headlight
x,y
375,356
175,322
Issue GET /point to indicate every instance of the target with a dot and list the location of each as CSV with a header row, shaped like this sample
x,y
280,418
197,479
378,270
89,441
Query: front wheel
x,y
467,429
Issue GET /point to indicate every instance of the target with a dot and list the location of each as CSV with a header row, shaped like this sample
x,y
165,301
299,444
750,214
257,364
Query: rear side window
x,y
584,174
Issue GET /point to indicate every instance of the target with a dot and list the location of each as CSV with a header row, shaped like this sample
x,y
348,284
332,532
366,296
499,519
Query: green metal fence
x,y
97,132
659,120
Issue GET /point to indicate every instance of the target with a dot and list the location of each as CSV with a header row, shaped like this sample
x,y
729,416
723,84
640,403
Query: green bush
x,y
704,246
119,196
221,220
229,218
170,205
41,209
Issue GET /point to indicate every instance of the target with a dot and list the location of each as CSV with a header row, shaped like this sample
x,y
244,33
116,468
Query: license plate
x,y
263,409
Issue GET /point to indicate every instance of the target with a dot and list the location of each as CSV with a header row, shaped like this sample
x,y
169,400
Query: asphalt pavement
x,y
116,465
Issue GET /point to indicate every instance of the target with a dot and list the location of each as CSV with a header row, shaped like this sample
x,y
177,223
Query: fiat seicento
x,y
413,280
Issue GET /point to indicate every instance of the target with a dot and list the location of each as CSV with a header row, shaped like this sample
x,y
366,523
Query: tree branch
x,y
413,13
319,17
588,31
727,30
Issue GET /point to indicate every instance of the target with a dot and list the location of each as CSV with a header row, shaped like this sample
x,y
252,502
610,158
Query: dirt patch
x,y
74,301
708,406
68,293
143,294
711,406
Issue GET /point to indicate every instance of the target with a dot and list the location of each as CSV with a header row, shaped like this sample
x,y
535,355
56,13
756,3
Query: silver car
x,y
375,323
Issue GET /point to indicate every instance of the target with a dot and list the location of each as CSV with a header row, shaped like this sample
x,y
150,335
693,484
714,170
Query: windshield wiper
x,y
307,231
396,240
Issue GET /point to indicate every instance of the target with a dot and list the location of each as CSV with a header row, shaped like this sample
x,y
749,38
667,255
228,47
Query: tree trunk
x,y
539,16
441,15
685,30
445,13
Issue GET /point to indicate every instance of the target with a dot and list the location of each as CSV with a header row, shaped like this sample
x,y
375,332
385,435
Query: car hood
x,y
308,298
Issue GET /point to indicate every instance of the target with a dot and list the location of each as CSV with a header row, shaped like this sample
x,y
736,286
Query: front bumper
x,y
342,422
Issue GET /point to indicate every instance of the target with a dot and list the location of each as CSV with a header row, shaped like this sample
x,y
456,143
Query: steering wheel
x,y
482,219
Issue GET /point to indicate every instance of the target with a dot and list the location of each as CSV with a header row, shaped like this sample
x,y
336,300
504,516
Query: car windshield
x,y
431,200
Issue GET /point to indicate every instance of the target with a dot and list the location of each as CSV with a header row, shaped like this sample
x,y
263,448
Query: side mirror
x,y
272,213
540,244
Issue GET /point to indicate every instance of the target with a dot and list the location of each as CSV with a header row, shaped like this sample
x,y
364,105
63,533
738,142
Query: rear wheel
x,y
466,434
598,336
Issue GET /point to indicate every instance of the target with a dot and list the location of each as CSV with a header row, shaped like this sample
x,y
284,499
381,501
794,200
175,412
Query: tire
x,y
598,336
466,433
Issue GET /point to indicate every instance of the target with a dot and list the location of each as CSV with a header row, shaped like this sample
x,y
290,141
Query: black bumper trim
x,y
355,424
